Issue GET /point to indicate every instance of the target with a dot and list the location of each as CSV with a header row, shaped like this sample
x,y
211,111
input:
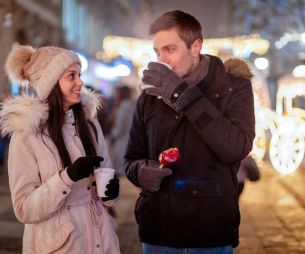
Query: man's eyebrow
x,y
164,47
169,45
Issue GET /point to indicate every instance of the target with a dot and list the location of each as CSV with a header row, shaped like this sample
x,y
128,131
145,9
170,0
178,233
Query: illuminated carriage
x,y
286,126
287,145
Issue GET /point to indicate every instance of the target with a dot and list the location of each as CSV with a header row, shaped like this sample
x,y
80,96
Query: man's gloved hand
x,y
112,189
186,98
165,81
83,167
150,175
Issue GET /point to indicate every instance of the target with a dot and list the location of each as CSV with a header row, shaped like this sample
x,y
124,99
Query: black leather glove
x,y
150,175
165,81
112,189
83,167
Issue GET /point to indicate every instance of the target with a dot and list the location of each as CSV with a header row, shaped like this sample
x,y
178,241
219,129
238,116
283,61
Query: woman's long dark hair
x,y
56,121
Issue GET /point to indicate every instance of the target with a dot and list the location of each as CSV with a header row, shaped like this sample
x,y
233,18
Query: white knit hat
x,y
41,68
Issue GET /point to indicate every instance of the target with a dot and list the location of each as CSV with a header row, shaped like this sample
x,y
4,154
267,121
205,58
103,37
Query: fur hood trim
x,y
91,102
238,68
27,114
22,113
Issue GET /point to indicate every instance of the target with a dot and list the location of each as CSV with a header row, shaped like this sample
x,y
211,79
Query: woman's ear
x,y
196,47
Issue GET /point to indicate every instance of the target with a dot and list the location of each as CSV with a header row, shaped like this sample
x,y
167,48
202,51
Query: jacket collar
x,y
26,114
220,74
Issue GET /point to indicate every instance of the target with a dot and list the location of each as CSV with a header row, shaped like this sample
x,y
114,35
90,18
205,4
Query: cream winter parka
x,y
58,218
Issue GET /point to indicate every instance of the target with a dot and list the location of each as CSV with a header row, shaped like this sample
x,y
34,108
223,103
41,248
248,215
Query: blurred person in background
x,y
121,93
207,112
103,112
55,145
121,126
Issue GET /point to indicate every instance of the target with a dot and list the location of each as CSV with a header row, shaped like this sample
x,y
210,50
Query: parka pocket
x,y
50,237
151,214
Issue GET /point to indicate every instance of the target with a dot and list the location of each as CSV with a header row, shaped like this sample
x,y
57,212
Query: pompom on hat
x,y
40,68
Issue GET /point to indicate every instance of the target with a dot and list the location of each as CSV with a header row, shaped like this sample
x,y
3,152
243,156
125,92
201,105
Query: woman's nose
x,y
80,82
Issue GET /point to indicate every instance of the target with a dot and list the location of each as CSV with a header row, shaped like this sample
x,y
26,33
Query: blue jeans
x,y
156,249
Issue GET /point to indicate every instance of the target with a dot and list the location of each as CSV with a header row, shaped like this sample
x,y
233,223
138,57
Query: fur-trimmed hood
x,y
238,68
26,114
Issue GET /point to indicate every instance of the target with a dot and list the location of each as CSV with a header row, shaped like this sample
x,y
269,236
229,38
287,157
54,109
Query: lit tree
x,y
270,18
279,21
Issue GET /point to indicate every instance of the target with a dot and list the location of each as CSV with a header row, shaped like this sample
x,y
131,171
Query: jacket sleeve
x,y
33,201
137,145
230,134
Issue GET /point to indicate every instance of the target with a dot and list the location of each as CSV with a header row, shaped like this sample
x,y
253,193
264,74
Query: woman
x,y
52,154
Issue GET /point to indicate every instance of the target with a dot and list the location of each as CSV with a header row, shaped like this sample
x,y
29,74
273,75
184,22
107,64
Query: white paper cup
x,y
167,65
143,86
102,178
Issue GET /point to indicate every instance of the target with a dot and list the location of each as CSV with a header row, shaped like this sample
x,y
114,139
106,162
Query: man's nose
x,y
162,58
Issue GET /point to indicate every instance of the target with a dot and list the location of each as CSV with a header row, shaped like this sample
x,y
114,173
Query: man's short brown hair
x,y
188,27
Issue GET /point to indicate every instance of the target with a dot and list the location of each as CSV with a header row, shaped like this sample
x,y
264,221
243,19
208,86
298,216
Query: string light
x,y
289,37
140,51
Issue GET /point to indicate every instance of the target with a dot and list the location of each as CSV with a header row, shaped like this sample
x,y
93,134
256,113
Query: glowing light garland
x,y
289,37
140,51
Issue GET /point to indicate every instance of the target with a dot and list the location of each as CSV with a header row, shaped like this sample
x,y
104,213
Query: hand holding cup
x,y
102,178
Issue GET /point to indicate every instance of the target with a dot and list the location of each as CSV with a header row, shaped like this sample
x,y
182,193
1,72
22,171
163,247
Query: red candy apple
x,y
168,157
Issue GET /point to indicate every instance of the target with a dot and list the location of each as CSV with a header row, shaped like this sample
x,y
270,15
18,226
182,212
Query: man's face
x,y
172,50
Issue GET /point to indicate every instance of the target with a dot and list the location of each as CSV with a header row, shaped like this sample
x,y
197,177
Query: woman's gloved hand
x,y
83,167
112,189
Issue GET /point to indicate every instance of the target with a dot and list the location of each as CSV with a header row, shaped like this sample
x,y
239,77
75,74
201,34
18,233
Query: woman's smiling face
x,y
70,85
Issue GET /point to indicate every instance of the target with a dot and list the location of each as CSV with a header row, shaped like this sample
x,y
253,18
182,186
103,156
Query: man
x,y
195,105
